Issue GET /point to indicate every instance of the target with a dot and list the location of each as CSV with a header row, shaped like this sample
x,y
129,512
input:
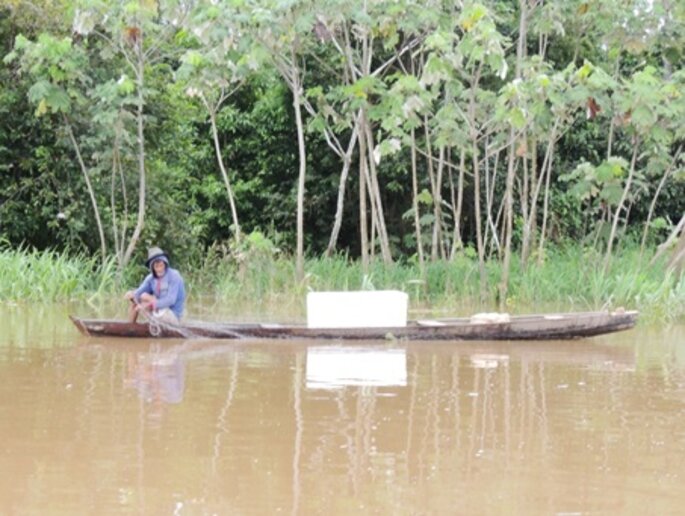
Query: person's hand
x,y
130,295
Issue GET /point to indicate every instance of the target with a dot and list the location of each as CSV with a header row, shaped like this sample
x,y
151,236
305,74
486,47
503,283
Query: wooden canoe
x,y
519,327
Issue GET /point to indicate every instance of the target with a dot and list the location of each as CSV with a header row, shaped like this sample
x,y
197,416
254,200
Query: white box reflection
x,y
331,368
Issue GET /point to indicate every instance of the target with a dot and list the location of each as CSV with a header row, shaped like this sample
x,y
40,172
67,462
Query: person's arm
x,y
145,286
169,299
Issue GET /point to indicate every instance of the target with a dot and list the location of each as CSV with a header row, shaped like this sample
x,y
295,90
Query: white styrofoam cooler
x,y
369,309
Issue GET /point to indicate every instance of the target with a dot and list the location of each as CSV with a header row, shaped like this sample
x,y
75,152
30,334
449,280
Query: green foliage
x,y
598,185
49,276
448,67
57,68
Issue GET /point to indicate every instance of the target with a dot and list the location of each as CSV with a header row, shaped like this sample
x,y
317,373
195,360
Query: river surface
x,y
202,427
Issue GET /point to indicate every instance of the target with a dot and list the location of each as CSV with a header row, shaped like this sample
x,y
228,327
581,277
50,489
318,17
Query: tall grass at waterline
x,y
574,277
568,279
265,282
48,276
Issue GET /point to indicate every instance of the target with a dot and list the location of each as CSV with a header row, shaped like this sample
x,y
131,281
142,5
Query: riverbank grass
x,y
568,279
49,276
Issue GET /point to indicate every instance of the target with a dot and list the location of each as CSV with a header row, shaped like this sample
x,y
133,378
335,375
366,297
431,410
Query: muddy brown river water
x,y
195,427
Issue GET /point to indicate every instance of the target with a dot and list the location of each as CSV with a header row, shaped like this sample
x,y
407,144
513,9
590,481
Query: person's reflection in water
x,y
158,376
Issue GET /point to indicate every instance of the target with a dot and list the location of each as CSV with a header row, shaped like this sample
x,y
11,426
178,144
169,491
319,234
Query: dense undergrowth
x,y
568,279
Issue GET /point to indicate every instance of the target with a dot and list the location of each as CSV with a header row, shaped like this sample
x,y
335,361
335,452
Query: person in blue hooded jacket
x,y
162,293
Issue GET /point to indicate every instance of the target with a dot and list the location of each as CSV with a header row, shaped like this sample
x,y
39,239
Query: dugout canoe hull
x,y
558,326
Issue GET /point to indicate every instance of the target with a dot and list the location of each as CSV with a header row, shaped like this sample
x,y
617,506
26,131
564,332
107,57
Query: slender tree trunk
x,y
545,170
610,140
370,199
346,157
535,182
415,200
545,205
619,207
652,205
624,229
498,242
511,165
372,240
91,192
222,168
526,208
347,162
537,175
437,199
477,215
297,86
476,183
117,171
457,242
363,223
491,225
140,221
530,220
112,199
434,191
509,225
375,193
287,65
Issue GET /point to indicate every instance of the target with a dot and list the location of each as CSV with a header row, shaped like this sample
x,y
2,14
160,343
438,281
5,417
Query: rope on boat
x,y
154,327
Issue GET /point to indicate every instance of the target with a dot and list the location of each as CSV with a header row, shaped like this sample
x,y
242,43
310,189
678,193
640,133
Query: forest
x,y
508,140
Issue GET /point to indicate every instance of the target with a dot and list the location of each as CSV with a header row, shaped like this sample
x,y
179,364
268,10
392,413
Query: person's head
x,y
157,261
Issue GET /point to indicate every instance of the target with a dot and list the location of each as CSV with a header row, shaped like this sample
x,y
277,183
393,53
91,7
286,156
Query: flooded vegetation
x,y
255,427
568,281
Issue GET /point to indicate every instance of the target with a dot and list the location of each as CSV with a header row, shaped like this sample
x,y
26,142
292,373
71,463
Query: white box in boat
x,y
358,309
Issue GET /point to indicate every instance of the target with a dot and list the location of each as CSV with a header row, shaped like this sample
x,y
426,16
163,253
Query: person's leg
x,y
132,312
165,315
146,298
134,309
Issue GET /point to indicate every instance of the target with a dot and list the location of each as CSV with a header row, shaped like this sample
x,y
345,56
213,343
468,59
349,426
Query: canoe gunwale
x,y
526,327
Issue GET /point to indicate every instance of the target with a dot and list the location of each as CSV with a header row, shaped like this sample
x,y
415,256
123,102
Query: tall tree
x,y
135,35
283,28
215,70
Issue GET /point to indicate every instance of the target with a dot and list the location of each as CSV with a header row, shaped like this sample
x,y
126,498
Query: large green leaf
x,y
612,193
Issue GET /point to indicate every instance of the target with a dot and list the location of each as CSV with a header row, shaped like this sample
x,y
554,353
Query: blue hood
x,y
162,258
